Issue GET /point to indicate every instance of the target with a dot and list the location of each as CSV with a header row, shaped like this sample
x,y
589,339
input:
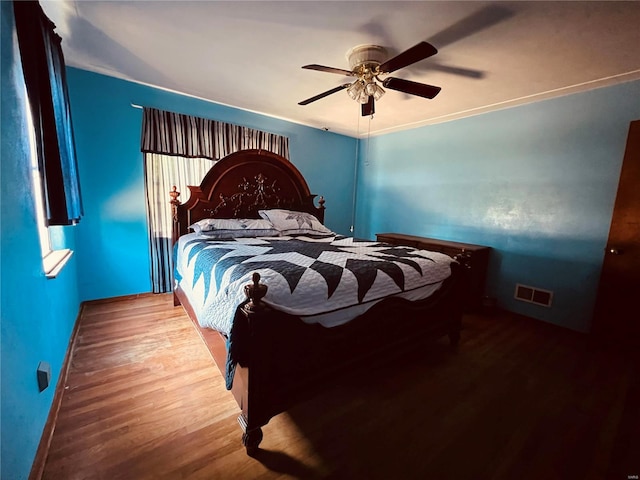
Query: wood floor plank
x,y
518,399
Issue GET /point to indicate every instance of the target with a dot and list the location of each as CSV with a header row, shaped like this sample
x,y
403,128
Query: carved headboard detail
x,y
241,184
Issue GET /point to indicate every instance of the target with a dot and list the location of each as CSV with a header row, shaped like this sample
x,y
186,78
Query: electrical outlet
x,y
44,375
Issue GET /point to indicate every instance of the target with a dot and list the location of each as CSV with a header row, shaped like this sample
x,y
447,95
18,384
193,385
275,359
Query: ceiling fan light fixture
x,y
374,90
370,88
379,92
355,90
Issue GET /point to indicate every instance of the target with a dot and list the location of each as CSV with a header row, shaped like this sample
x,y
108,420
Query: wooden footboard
x,y
285,360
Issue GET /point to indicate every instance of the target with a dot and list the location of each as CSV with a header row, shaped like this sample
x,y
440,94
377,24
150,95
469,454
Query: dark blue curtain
x,y
45,78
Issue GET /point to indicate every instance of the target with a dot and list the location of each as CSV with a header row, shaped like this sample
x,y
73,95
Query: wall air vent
x,y
533,295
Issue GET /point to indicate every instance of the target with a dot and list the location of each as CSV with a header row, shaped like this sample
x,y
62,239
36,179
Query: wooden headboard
x,y
241,184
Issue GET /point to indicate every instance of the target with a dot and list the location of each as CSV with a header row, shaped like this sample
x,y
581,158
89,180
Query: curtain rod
x,y
137,106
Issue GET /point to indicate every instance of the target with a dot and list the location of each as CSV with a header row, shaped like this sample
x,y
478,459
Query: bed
x,y
284,304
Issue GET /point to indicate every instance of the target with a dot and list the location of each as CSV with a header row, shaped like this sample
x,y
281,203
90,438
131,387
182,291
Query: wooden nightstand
x,y
478,261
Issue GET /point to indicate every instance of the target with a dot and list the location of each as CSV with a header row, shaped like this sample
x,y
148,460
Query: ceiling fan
x,y
368,63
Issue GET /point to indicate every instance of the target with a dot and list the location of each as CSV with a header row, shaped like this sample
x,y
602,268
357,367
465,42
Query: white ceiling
x,y
248,54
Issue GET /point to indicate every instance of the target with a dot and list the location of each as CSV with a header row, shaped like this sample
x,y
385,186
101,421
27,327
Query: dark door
x,y
617,312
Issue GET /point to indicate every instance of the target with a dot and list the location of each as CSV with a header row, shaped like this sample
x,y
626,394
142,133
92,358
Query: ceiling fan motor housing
x,y
366,56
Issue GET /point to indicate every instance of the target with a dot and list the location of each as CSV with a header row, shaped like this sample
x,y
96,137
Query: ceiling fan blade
x,y
324,94
369,107
322,68
416,53
412,88
477,21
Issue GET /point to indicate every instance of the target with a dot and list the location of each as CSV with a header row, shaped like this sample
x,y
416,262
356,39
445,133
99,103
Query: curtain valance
x,y
176,134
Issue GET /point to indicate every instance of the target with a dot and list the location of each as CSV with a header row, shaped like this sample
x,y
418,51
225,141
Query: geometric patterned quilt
x,y
307,276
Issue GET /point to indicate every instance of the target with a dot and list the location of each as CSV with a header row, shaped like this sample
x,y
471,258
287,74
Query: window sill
x,y
55,261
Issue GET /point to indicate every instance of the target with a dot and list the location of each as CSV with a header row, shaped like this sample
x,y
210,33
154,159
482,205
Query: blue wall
x,y
38,314
112,238
536,182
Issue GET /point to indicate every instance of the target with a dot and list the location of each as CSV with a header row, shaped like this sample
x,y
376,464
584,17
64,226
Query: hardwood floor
x,y
519,399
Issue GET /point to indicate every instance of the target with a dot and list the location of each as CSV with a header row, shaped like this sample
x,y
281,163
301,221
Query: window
x,y
54,168
52,260
162,172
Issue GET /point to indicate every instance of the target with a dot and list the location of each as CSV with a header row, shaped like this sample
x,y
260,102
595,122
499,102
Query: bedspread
x,y
306,277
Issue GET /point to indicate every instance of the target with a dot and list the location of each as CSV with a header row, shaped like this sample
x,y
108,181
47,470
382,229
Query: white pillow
x,y
234,228
290,222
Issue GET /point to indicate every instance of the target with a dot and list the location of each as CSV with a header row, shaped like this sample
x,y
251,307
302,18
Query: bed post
x,y
174,194
251,384
321,209
253,417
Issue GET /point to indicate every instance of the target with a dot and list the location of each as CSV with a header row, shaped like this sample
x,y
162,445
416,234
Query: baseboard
x,y
37,468
121,298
